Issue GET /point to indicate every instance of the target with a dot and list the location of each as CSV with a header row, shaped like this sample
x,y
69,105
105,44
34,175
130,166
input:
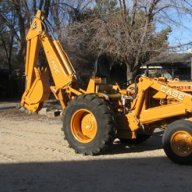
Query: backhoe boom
x,y
37,78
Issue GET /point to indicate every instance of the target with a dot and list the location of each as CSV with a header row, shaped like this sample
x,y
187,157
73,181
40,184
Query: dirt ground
x,y
34,157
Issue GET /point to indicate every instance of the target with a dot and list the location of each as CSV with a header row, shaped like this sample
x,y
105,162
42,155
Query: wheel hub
x,y
84,126
88,125
181,143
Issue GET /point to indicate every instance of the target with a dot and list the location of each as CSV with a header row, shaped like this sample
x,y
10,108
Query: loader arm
x,y
142,114
37,79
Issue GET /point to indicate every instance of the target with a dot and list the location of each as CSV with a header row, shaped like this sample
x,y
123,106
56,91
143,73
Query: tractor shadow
x,y
153,143
108,175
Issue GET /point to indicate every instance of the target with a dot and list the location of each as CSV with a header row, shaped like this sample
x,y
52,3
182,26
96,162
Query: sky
x,y
182,33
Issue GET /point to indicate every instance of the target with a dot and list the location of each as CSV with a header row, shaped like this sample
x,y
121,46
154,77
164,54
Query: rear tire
x,y
177,142
88,125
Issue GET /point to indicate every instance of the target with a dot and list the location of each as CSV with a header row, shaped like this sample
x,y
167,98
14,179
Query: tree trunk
x,y
129,73
21,22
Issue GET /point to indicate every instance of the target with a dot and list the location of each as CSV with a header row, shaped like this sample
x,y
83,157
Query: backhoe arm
x,y
37,79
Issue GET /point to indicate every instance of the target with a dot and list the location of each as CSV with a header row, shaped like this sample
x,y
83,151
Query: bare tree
x,y
125,30
62,13
16,16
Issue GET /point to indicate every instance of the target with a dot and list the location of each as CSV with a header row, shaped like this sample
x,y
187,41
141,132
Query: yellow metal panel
x,y
158,113
65,59
58,69
31,60
36,26
38,92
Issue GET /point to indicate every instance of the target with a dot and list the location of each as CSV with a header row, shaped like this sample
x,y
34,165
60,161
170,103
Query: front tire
x,y
177,142
88,125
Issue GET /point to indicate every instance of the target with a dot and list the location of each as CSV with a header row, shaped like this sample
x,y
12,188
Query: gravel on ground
x,y
34,157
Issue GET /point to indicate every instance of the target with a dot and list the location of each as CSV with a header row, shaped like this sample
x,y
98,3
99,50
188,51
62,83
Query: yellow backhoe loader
x,y
95,116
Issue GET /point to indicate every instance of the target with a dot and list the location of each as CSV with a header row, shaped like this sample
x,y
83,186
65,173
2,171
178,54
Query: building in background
x,y
177,65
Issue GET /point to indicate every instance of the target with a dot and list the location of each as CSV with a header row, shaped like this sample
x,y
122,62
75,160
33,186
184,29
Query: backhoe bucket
x,y
39,91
